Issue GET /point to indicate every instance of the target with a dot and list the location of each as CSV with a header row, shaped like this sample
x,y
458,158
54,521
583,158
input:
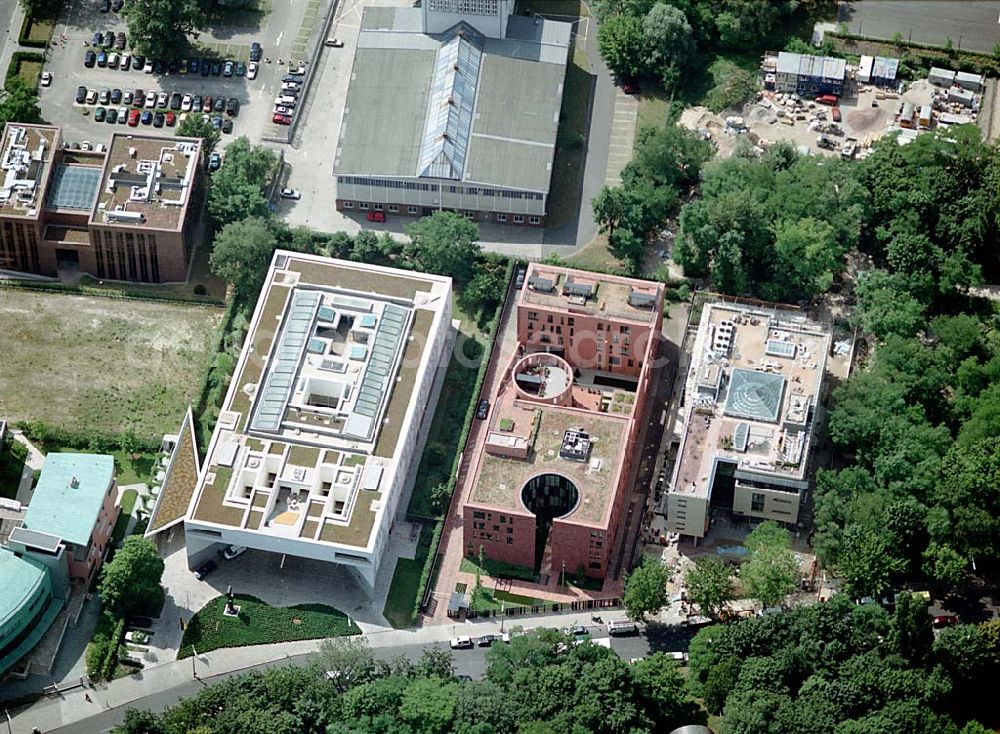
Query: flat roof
x,y
594,294
25,161
500,107
755,379
825,67
307,441
73,187
147,181
69,495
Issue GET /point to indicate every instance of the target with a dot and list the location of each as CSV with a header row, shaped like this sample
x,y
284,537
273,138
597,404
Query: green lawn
x,y
41,29
261,624
405,583
31,72
129,497
497,569
491,600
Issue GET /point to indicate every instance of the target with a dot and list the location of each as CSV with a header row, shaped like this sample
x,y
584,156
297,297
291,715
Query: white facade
x,y
489,17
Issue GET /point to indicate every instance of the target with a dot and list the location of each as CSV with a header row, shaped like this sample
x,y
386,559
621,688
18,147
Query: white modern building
x,y
321,432
751,404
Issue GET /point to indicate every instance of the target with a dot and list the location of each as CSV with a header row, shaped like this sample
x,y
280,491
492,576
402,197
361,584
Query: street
x,y
467,662
973,26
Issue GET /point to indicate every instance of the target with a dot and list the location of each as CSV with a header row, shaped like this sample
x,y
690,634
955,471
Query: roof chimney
x,y
74,483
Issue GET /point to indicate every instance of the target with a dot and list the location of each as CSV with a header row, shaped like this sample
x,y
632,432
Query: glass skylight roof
x,y
755,395
450,105
74,187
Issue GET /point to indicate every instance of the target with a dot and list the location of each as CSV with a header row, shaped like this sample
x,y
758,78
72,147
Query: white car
x,y
46,78
85,145
186,103
91,96
233,551
285,101
282,110
252,70
148,68
122,115
299,70
291,194
150,99
334,43
462,643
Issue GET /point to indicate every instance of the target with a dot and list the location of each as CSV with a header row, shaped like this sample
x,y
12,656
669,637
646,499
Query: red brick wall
x,y
521,551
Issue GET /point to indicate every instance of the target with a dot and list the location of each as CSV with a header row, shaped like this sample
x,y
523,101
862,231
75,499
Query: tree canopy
x,y
197,126
646,588
130,582
159,28
445,243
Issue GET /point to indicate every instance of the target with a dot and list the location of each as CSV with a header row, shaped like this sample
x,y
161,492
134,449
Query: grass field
x,y
261,624
102,364
31,72
41,29
497,569
405,583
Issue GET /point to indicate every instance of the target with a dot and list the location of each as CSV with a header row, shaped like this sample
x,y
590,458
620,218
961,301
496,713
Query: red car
x,y
375,215
171,119
828,99
133,117
280,119
944,620
835,114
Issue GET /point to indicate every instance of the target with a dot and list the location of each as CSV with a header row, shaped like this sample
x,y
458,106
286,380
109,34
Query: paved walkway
x,y
623,126
71,706
32,463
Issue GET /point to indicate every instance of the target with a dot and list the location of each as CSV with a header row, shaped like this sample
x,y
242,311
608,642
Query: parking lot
x,y
279,32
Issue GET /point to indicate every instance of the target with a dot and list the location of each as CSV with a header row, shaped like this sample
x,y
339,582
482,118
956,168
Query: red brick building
x,y
551,467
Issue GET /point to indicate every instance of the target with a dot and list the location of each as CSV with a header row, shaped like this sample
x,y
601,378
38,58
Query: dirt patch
x,y
863,121
100,363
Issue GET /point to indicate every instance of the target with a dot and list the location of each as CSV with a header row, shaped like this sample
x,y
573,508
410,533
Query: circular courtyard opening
x,y
547,497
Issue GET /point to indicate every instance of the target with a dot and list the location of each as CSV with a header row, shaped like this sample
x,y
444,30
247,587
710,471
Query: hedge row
x,y
925,54
15,63
216,380
49,436
102,654
429,562
82,290
24,37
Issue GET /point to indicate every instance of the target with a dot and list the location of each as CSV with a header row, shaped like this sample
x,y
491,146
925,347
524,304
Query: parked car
x,y
281,119
519,278
206,67
117,5
89,59
193,66
233,551
299,70
150,99
91,96
944,620
485,640
227,126
217,122
102,59
216,68
186,103
241,69
158,119
228,68
835,114
255,51
139,623
99,114
175,101
170,119
232,107
827,99
214,161
126,63
127,97
196,103
140,97
483,409
159,67
293,85
133,117
105,6
291,194
138,62
252,70
149,66
281,110
206,104
116,96
162,100
204,569
104,96
172,67
112,116
146,118
461,643
81,95
219,104
108,40
334,43
120,41
285,101
376,215
113,59
122,115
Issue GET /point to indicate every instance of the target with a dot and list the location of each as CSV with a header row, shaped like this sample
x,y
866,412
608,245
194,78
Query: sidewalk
x,y
32,463
71,706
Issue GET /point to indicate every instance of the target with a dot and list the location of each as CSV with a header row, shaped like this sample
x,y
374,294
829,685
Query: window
x,y
501,217
623,329
393,208
363,205
614,361
411,210
596,565
469,215
518,219
532,315
377,207
757,502
348,204
479,515
510,540
533,220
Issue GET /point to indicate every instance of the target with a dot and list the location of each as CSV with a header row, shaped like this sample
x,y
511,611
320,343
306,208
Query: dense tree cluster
x,y
840,668
19,102
539,684
667,163
776,227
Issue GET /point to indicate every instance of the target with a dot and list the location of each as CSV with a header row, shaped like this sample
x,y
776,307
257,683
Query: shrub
x,y
15,63
96,654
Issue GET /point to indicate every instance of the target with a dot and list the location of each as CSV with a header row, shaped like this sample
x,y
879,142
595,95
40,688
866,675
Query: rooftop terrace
x,y
306,440
147,181
593,294
754,381
25,157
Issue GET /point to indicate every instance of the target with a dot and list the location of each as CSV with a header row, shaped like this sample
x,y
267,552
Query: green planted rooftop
x,y
69,495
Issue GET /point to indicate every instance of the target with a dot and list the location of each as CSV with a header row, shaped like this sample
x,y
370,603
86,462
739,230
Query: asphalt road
x,y
973,26
467,662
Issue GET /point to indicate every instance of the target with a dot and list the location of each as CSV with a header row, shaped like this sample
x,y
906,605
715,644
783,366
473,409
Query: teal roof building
x,y
28,605
70,492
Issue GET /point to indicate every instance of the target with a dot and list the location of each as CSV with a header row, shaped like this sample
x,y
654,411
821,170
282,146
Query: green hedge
x,y
24,37
14,68
925,54
121,293
216,380
102,653
49,436
425,575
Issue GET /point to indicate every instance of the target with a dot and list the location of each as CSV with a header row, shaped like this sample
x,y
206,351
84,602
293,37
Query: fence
x,y
571,606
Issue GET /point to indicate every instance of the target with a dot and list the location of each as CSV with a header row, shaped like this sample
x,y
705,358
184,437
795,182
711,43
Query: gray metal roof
x,y
825,67
511,110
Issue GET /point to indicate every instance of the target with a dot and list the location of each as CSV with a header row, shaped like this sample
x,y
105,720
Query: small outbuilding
x,y
941,77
